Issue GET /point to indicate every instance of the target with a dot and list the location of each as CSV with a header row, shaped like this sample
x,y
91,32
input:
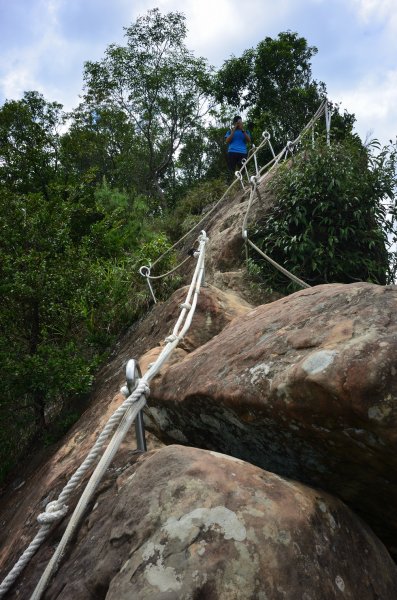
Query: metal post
x,y
328,123
133,374
255,160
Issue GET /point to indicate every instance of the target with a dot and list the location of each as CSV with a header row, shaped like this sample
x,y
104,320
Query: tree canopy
x,y
158,84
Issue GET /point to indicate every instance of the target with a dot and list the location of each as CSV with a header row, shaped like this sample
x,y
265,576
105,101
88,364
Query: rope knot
x,y
53,512
143,388
171,338
125,391
185,305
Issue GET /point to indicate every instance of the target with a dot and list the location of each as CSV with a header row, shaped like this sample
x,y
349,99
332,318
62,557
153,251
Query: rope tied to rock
x,y
141,388
170,338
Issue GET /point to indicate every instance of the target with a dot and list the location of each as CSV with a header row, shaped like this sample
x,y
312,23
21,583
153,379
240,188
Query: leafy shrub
x,y
192,207
329,221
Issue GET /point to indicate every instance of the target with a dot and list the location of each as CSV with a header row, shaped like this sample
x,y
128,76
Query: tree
x,y
29,143
158,84
103,144
273,82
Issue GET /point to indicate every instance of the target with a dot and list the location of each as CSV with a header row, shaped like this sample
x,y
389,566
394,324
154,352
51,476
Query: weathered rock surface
x,y
225,265
27,497
215,309
188,523
305,387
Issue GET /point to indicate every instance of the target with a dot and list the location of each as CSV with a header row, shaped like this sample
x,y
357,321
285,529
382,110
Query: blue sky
x,y
44,44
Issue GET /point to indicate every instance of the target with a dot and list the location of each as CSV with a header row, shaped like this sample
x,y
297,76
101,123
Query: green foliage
x,y
329,220
142,161
66,293
160,87
274,83
192,207
29,143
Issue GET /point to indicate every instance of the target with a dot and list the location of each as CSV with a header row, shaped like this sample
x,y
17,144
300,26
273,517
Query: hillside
x,y
272,427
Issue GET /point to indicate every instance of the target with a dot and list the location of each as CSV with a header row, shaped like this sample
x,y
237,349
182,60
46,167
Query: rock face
x,y
215,309
305,387
188,523
36,487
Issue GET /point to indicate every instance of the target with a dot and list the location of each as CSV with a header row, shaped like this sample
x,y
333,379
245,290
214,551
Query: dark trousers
x,y
234,161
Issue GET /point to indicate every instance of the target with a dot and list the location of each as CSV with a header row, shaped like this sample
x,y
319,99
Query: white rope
x,y
279,267
252,157
263,173
181,327
86,496
239,177
149,276
291,276
328,122
124,416
145,272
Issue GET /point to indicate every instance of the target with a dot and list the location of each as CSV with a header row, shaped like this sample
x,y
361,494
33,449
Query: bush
x,y
329,221
191,209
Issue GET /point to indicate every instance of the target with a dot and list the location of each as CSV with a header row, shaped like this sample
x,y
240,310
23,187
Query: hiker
x,y
237,139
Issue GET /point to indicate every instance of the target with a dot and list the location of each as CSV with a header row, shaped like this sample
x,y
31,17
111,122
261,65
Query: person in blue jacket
x,y
237,139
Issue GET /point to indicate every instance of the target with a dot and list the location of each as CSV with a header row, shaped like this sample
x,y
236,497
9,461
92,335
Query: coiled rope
x,y
124,416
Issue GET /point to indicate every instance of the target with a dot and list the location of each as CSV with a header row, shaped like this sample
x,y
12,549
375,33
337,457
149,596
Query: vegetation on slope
x,y
87,197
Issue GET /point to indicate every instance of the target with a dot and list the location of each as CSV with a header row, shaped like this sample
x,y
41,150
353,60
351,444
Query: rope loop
x,y
290,146
254,181
144,271
125,391
143,388
53,512
202,238
266,136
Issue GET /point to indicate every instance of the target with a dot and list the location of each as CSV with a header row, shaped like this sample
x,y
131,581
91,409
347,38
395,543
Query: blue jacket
x,y
238,143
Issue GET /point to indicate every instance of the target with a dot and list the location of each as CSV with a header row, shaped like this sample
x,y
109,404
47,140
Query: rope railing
x,y
251,157
261,173
123,417
132,406
265,172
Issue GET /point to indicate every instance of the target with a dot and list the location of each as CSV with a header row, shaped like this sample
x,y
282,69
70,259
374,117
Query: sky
x,y
45,43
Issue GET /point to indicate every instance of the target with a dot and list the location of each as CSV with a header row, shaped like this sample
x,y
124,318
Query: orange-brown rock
x,y
305,387
189,523
27,496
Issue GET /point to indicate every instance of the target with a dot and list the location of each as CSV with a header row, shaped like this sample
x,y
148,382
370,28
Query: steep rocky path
x,y
302,387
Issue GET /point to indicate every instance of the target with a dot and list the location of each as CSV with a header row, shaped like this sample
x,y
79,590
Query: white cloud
x,y
374,102
370,11
219,28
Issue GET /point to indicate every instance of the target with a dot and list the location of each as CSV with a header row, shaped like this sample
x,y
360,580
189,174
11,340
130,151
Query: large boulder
x,y
42,479
189,523
305,387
